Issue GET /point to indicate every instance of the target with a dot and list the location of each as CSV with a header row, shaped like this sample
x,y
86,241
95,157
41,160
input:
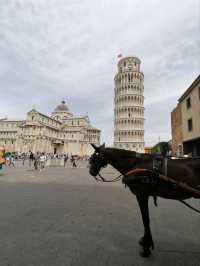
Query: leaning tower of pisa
x,y
129,105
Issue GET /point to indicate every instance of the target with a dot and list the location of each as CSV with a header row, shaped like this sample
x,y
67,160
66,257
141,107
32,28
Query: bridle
x,y
100,178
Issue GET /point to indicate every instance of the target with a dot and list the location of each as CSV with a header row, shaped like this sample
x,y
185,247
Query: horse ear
x,y
95,147
103,145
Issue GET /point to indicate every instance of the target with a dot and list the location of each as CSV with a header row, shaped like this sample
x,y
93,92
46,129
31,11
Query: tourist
x,y
8,160
31,158
36,161
65,159
12,160
42,161
23,158
73,161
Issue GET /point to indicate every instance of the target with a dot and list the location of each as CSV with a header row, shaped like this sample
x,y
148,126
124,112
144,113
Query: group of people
x,y
10,160
39,160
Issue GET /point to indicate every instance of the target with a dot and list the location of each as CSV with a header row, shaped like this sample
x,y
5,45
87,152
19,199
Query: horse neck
x,y
121,164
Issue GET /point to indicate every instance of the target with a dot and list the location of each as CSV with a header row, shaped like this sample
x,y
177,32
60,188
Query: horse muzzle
x,y
93,173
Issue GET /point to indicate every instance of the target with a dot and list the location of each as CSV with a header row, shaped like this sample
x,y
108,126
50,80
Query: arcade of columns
x,y
129,105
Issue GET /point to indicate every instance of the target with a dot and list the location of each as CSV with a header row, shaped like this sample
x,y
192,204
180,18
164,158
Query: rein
x,y
165,178
189,206
117,178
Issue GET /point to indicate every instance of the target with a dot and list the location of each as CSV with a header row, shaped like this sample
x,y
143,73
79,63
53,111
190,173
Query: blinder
x,y
96,162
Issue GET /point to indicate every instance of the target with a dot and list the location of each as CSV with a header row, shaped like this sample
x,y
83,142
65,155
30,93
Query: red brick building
x,y
176,128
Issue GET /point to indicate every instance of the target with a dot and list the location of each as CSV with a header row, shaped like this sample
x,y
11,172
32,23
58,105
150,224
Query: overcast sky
x,y
54,49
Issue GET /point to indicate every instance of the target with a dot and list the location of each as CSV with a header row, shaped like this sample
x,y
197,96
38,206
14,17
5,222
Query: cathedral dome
x,y
62,107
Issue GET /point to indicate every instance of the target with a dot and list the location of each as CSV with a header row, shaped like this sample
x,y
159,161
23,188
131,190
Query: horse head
x,y
97,160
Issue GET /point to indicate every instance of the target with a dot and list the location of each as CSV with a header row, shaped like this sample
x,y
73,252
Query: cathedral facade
x,y
59,133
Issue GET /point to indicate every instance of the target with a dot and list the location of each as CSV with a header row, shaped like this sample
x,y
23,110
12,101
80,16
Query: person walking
x,y
8,160
12,160
65,159
31,158
23,158
73,161
42,161
35,161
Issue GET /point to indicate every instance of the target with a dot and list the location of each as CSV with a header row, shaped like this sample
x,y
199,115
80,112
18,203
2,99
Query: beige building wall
x,y
186,119
193,112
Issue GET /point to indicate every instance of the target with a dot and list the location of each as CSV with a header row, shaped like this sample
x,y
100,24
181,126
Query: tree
x,y
161,148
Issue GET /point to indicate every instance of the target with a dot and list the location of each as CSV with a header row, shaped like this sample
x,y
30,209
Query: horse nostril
x,y
92,173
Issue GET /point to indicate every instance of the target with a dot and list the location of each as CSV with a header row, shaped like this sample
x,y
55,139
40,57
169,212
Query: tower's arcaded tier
x,y
129,105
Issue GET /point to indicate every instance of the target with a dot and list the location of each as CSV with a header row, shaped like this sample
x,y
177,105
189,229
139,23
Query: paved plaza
x,y
61,216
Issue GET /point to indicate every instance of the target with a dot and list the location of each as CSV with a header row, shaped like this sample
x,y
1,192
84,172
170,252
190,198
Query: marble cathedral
x,y
60,133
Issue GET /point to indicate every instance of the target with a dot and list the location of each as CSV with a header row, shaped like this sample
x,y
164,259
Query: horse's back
x,y
194,163
185,170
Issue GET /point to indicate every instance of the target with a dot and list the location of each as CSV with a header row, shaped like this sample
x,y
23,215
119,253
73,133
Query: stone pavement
x,y
61,216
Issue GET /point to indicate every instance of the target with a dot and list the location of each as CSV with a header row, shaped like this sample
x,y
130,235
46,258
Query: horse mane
x,y
126,154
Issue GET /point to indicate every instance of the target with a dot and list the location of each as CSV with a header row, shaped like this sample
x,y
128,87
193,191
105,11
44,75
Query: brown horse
x,y
147,183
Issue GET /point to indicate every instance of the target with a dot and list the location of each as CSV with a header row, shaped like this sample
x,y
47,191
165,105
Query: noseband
x,y
100,162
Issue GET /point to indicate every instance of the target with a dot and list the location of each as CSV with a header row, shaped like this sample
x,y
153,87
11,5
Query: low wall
x,y
55,162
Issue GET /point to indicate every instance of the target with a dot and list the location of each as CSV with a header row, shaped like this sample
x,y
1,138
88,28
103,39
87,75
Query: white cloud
x,y
53,49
